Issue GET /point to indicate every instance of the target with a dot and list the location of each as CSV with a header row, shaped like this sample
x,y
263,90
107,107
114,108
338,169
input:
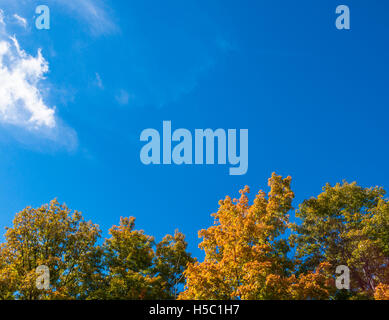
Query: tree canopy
x,y
254,250
127,265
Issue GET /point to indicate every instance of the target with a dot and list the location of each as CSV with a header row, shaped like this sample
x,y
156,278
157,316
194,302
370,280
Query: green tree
x,y
172,259
55,237
346,225
129,259
138,271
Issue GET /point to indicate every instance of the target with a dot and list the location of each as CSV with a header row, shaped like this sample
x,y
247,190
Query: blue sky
x,y
314,99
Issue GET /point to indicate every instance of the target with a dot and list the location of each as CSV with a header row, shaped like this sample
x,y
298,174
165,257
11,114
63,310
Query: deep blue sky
x,y
315,100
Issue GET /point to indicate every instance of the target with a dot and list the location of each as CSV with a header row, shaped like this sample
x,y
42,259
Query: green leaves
x,y
247,251
52,236
128,265
346,225
171,262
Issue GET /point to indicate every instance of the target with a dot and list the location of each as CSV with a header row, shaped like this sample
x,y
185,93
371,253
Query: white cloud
x,y
22,21
21,101
23,111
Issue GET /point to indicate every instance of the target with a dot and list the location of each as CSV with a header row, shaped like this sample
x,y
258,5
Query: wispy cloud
x,y
123,97
2,23
170,62
97,16
99,81
94,12
22,21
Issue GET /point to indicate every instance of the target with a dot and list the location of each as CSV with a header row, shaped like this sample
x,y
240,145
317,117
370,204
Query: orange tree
x,y
246,252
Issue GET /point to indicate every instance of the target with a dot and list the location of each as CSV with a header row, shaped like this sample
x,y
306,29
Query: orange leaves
x,y
382,292
247,251
317,285
240,248
206,281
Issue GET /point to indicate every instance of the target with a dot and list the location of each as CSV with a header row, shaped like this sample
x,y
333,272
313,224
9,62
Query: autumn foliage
x,y
254,250
127,265
248,252
246,255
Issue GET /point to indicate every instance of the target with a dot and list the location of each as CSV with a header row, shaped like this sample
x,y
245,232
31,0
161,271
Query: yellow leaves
x,y
345,225
240,248
247,251
317,285
138,271
206,281
52,236
245,258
